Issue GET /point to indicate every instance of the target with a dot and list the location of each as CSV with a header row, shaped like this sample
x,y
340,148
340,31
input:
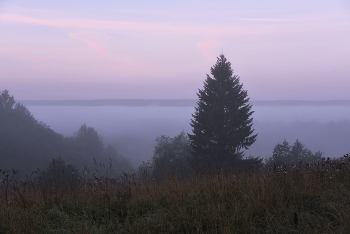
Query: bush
x,y
59,175
284,153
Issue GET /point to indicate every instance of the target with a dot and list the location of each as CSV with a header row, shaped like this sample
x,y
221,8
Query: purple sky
x,y
154,49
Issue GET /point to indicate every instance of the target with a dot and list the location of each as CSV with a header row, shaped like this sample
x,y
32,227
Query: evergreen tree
x,y
284,153
222,123
281,152
7,101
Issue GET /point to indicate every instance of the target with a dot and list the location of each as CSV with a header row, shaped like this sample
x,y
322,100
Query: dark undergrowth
x,y
301,198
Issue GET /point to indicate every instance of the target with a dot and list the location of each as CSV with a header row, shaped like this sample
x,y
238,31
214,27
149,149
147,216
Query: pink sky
x,y
85,50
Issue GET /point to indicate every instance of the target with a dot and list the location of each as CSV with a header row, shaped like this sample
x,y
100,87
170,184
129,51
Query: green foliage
x,y
249,163
118,163
89,141
171,156
60,175
91,149
87,147
311,198
26,144
9,105
7,102
222,123
284,153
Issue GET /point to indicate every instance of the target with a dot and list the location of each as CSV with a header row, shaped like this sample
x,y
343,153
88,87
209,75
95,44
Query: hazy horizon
x,y
286,53
175,102
319,127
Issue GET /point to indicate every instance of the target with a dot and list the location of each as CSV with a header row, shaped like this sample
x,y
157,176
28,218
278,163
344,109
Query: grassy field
x,y
282,199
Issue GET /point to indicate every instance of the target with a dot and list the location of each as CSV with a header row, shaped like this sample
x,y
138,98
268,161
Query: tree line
x,y
222,128
27,144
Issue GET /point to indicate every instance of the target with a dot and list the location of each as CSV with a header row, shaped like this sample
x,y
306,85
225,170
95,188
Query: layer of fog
x,y
133,130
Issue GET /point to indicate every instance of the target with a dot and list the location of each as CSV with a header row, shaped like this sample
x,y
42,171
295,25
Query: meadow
x,y
284,198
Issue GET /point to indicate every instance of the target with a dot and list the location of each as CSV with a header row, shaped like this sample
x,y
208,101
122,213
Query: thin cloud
x,y
82,23
91,39
295,18
267,19
85,24
91,32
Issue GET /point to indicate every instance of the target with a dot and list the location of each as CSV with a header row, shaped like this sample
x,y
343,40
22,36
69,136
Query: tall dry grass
x,y
283,199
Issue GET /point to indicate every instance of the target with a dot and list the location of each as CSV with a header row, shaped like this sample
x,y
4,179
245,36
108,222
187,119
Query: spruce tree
x,y
222,122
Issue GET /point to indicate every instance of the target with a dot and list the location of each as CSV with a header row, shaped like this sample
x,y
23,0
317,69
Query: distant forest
x,y
173,102
27,144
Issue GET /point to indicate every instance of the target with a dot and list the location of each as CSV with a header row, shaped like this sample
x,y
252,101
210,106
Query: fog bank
x,y
133,129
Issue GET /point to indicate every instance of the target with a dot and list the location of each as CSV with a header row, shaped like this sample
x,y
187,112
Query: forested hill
x,y
27,144
173,102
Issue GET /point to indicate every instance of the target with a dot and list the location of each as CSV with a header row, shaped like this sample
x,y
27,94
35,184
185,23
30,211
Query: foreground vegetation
x,y
284,198
174,192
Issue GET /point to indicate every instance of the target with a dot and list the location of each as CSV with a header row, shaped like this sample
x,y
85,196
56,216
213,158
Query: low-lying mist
x,y
133,129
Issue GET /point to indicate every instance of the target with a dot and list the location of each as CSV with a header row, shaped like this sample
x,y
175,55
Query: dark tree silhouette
x,y
90,140
27,144
6,100
171,156
58,174
284,153
222,123
118,163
